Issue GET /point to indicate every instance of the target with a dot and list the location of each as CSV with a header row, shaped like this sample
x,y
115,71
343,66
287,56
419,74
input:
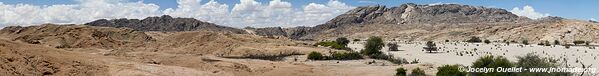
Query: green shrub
x,y
567,46
556,42
587,43
346,56
544,43
534,61
342,41
430,46
487,41
417,72
379,56
333,45
547,43
373,46
579,42
415,61
393,46
525,42
450,70
400,72
474,39
315,56
492,62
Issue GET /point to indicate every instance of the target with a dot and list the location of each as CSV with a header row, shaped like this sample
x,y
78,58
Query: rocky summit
x,y
163,23
417,14
444,22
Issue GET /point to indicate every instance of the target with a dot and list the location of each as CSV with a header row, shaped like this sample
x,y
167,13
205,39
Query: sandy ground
x,y
448,52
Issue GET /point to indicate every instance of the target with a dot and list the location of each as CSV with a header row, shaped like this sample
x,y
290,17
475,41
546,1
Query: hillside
x,y
164,23
91,50
411,22
75,36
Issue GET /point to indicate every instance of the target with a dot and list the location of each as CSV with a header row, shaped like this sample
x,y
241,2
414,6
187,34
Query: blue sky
x,y
578,9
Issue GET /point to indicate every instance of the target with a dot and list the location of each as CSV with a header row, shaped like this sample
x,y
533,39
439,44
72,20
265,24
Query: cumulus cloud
x,y
84,11
367,2
211,11
593,19
528,11
281,13
314,13
245,13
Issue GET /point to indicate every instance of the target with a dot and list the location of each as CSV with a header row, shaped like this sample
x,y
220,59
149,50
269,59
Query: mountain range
x,y
409,22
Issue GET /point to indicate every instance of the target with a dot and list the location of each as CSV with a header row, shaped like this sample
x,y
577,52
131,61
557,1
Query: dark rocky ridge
x,y
163,23
411,14
269,31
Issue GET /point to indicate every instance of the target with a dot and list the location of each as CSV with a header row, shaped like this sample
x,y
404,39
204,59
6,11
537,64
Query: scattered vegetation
x,y
415,61
450,70
567,46
556,42
534,61
390,58
579,42
430,46
487,41
474,39
525,42
345,56
401,72
544,43
528,61
417,72
547,43
492,62
342,41
332,44
373,46
315,56
335,56
393,46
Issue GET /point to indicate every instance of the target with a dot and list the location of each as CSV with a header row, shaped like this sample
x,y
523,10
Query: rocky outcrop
x,y
164,23
297,32
411,14
269,31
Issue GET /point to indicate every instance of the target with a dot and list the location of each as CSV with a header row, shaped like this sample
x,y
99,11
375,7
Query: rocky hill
x,y
268,31
75,36
445,22
19,59
163,23
82,50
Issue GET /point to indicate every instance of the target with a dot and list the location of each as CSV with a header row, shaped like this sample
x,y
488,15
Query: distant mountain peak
x,y
163,23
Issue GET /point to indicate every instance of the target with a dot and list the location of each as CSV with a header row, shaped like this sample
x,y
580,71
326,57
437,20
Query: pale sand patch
x,y
413,51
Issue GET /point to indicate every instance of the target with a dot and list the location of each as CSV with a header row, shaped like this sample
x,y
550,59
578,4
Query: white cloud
x,y
211,11
528,11
245,13
593,19
85,11
314,13
367,2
